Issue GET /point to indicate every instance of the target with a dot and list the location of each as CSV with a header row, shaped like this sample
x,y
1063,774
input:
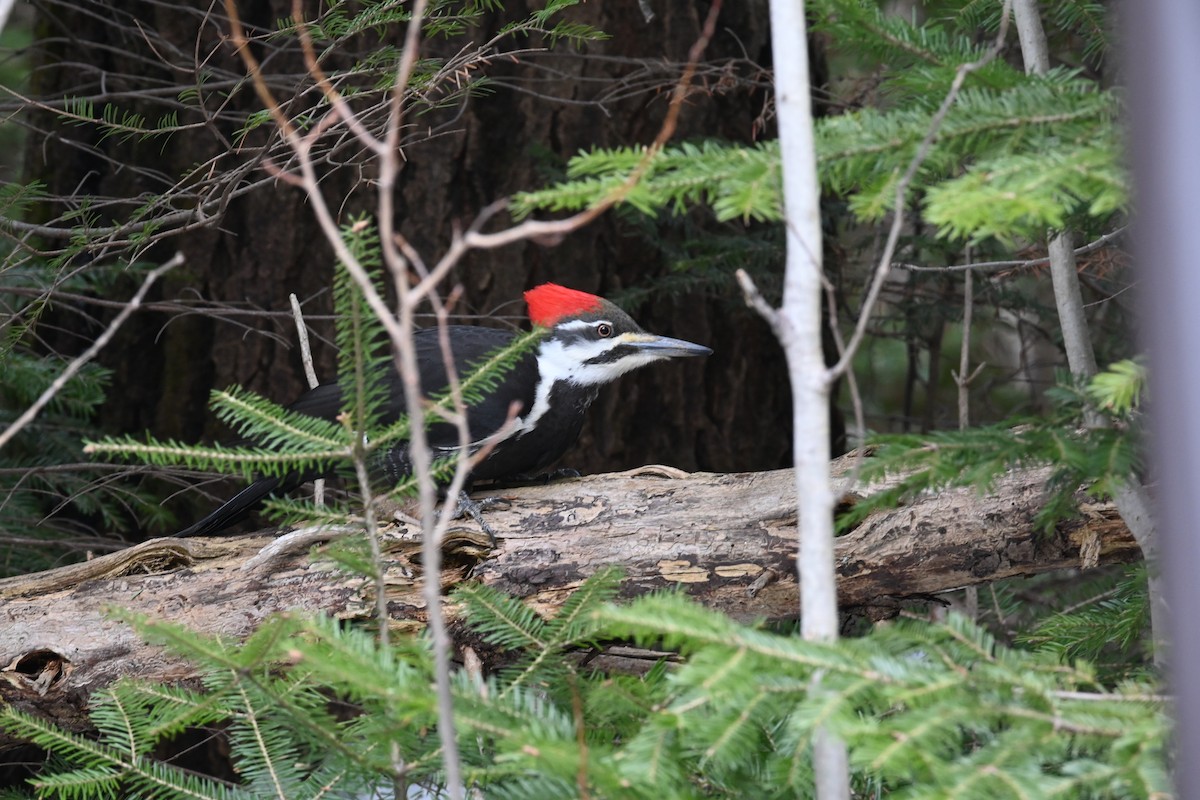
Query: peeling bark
x,y
729,540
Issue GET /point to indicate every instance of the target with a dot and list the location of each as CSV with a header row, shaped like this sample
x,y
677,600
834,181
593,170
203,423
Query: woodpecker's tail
x,y
235,508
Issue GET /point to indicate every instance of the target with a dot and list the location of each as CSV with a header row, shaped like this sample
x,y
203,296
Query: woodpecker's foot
x,y
475,508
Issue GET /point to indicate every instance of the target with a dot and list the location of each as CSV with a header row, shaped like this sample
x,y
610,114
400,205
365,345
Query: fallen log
x,y
727,539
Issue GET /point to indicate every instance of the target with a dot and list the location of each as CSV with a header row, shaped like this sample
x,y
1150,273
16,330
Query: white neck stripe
x,y
559,362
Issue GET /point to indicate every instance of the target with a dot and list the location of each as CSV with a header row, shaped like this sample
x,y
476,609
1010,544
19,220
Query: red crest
x,y
550,302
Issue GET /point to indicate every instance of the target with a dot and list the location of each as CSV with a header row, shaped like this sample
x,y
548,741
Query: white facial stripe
x,y
559,362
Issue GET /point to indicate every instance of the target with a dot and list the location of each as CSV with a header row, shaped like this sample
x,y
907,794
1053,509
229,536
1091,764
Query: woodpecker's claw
x,y
475,508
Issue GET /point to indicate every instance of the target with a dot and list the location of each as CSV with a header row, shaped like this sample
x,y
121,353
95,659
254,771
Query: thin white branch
x,y
798,326
1034,51
306,359
755,300
73,368
310,374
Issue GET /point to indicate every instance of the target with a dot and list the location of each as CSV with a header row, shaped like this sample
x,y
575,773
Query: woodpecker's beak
x,y
664,347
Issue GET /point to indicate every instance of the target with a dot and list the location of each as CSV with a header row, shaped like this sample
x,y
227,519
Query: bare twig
x,y
406,360
995,266
901,195
797,324
755,300
839,342
306,359
78,363
399,332
963,381
254,69
310,375
314,69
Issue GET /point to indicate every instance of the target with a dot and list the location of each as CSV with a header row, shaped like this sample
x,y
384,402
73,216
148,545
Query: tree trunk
x,y
727,540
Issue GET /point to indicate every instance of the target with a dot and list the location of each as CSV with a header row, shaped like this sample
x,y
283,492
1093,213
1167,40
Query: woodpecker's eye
x,y
604,330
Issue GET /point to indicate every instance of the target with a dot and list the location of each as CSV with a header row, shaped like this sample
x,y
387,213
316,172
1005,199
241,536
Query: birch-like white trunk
x,y
799,329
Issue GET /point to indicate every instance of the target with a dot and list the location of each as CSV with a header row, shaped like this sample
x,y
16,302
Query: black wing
x,y
471,346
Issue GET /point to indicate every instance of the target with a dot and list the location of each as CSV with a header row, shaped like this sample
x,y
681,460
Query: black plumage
x,y
470,344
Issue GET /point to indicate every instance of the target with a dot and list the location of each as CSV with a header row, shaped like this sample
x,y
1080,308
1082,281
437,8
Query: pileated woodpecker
x,y
586,343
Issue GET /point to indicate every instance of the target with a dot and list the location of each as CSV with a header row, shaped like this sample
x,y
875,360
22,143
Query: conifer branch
x,y
901,192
